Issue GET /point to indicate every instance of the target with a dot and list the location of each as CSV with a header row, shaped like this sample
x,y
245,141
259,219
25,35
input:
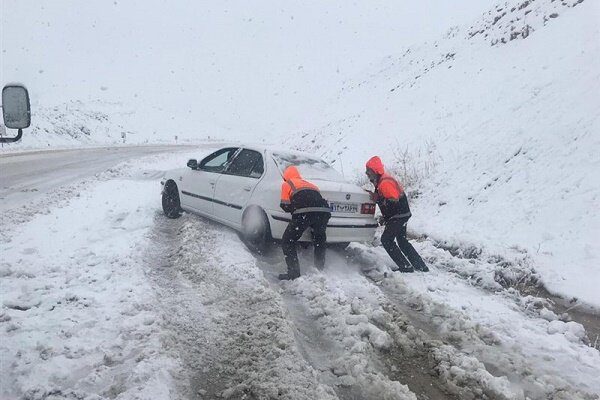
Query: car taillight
x,y
367,208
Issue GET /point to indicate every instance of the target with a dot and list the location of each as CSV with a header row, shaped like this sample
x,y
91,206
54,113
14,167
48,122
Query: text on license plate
x,y
344,207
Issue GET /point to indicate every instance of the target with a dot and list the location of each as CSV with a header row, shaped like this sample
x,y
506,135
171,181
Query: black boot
x,y
405,268
287,277
412,255
423,268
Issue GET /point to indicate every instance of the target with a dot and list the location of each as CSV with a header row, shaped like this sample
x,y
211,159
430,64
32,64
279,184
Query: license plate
x,y
344,207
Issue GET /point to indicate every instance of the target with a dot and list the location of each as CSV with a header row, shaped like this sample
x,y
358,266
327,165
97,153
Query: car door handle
x,y
247,188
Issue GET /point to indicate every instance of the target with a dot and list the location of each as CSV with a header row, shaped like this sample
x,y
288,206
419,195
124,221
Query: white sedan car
x,y
240,187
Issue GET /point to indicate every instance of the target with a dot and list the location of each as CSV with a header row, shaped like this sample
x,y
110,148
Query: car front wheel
x,y
170,200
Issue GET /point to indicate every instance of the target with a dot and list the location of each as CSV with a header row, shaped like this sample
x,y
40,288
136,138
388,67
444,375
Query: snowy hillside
x,y
492,125
197,68
74,124
95,123
499,120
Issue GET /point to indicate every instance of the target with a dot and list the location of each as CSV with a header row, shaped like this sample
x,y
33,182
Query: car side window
x,y
218,161
259,168
247,163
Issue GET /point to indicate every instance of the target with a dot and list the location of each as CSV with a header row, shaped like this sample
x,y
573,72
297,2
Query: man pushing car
x,y
393,203
309,210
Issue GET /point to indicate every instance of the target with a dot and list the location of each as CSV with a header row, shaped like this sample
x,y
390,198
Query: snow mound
x,y
488,329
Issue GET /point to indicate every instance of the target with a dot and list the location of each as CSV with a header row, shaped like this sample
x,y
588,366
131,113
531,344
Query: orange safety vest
x,y
293,183
309,201
391,197
389,188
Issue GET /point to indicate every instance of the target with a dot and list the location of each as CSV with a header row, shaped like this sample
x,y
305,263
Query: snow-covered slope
x,y
75,124
95,123
247,69
499,120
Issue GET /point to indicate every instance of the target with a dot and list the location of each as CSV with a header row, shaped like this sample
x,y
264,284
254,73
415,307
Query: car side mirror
x,y
193,163
16,110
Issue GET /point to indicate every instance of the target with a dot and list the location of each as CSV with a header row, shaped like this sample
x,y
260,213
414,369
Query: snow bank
x,y
514,336
77,311
501,126
78,315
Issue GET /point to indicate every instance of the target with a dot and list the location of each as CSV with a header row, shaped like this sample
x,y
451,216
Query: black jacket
x,y
394,208
306,200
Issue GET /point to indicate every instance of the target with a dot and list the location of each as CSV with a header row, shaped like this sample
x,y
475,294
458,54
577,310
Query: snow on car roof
x,y
275,149
311,166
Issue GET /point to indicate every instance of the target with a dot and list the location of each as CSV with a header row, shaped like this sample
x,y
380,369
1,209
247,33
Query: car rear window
x,y
309,167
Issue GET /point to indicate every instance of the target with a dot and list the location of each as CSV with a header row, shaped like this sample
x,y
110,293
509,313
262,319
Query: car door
x,y
199,184
235,186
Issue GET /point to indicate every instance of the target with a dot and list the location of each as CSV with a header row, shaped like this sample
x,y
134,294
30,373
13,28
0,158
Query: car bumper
x,y
339,230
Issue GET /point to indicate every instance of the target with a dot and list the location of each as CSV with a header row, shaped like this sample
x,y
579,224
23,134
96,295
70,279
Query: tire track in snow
x,y
413,356
315,347
361,356
410,326
197,272
223,319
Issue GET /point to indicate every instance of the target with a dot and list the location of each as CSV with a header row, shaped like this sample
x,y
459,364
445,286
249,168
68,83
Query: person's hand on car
x,y
373,195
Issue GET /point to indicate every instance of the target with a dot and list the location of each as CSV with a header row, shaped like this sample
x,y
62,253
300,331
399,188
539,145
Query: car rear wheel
x,y
256,230
170,200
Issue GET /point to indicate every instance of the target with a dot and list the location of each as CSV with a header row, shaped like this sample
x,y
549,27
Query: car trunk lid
x,y
345,199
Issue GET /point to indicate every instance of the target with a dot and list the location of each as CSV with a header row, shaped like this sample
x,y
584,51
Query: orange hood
x,y
291,172
376,165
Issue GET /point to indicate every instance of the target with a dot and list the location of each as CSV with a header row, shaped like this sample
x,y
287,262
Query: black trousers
x,y
299,223
399,248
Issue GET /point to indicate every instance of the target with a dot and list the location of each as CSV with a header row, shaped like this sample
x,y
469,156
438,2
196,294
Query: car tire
x,y
256,230
170,200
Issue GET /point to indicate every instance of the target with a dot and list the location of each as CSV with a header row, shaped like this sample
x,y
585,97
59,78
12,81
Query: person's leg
x,y
408,249
319,227
288,244
388,241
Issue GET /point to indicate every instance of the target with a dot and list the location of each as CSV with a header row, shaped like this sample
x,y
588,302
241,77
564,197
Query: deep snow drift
x,y
497,123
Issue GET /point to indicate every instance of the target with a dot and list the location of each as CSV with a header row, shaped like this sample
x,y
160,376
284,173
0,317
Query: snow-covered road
x,y
28,175
103,297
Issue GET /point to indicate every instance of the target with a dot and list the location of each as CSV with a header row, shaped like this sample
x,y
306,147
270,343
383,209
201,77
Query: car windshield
x,y
309,168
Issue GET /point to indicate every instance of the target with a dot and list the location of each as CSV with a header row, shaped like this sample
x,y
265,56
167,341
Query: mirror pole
x,y
12,139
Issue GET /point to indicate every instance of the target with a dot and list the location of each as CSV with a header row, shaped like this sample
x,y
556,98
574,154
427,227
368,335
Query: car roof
x,y
276,149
